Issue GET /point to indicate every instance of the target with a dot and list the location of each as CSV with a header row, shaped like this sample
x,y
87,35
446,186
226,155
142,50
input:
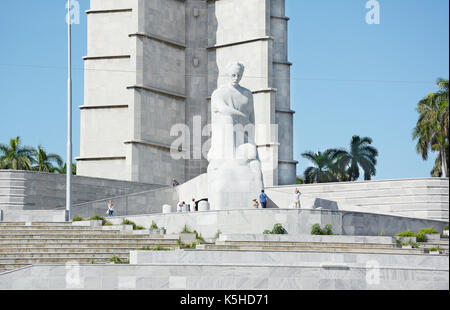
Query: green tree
x,y
300,180
44,161
361,156
15,156
322,170
431,131
63,168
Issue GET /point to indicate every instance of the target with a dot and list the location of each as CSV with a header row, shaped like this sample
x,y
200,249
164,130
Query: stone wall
x,y
422,198
31,191
244,271
296,222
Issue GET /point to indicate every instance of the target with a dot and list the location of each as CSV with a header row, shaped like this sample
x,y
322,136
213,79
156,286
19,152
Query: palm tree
x,y
45,161
63,168
323,169
15,156
431,130
361,156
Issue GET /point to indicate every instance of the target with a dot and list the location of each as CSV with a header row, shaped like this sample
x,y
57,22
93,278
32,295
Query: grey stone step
x,y
65,235
80,245
86,250
305,244
36,223
34,232
7,267
309,249
81,240
36,227
86,259
289,259
71,255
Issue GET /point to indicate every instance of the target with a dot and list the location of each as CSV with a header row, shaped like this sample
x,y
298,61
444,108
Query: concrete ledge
x,y
289,259
295,221
310,276
88,223
309,239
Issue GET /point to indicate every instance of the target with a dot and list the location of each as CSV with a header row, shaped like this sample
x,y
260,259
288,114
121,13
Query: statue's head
x,y
235,71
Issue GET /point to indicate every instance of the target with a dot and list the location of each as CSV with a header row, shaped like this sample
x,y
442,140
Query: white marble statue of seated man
x,y
234,171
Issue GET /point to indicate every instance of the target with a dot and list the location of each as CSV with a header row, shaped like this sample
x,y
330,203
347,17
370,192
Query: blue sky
x,y
348,77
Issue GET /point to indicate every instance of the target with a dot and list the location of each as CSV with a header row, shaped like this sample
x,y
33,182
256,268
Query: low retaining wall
x,y
422,198
30,190
296,222
226,277
32,215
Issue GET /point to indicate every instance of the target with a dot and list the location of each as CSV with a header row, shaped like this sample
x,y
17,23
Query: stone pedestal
x,y
167,209
203,206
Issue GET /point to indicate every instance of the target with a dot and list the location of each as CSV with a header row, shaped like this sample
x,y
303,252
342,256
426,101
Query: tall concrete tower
x,y
153,64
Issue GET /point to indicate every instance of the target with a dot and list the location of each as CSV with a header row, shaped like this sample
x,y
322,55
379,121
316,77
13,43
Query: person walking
x,y
110,210
297,195
263,199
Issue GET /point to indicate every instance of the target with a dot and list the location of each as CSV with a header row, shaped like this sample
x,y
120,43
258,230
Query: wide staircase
x,y
23,244
241,243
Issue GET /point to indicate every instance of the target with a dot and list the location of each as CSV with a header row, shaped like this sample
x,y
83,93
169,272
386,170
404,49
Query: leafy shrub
x,y
278,229
77,219
316,230
420,235
184,246
115,259
407,233
145,248
179,242
199,237
430,230
446,227
438,248
154,226
159,248
382,234
96,217
410,242
217,234
135,227
326,231
107,223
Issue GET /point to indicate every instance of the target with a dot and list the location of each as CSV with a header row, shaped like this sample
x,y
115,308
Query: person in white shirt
x,y
297,195
193,206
